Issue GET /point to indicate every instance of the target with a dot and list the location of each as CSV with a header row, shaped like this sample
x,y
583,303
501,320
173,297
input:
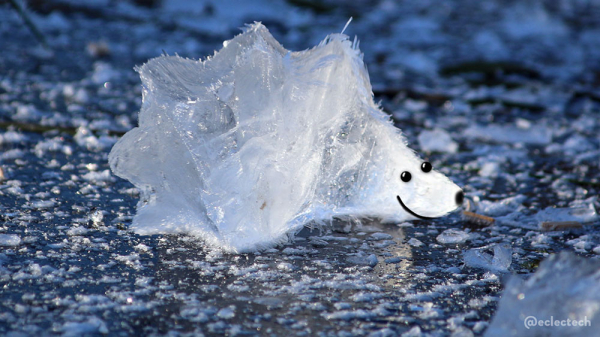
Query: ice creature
x,y
245,148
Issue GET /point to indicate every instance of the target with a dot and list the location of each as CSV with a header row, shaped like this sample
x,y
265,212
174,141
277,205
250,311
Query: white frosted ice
x,y
250,145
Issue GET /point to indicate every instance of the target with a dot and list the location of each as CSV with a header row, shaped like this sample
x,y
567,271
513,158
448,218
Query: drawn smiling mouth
x,y
413,213
459,198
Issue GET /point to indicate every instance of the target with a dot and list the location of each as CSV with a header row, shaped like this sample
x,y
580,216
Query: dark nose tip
x,y
459,197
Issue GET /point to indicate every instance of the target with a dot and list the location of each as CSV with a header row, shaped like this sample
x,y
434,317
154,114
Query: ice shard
x,y
562,298
246,147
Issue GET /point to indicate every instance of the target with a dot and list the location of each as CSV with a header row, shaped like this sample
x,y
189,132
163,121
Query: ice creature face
x,y
245,148
413,188
432,192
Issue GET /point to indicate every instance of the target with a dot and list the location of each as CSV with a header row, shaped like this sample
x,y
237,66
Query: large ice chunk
x,y
562,298
246,147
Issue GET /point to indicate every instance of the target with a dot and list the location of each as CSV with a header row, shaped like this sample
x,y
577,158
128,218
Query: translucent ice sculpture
x,y
248,146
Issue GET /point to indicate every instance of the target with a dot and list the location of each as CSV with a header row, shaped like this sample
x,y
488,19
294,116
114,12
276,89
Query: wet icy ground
x,y
500,96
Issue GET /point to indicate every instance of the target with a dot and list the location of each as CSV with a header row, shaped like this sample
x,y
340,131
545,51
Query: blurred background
x,y
431,50
555,38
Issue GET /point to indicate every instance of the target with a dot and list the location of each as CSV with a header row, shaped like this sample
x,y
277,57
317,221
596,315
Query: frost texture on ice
x,y
246,147
564,287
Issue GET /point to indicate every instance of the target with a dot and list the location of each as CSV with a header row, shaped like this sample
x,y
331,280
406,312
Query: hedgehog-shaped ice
x,y
248,146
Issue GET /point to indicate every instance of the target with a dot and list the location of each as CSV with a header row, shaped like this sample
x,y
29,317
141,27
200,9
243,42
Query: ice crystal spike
x,y
248,146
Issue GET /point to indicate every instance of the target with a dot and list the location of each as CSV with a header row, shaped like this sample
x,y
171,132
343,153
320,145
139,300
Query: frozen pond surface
x,y
505,106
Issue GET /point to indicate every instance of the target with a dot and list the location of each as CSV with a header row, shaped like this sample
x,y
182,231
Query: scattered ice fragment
x,y
92,325
581,244
395,259
52,145
80,95
565,287
480,326
85,138
418,61
226,313
363,259
347,315
490,169
521,96
77,231
9,240
97,176
437,140
413,105
88,189
453,236
536,135
523,123
415,242
502,206
27,112
12,154
452,270
285,266
499,259
522,21
43,204
380,236
142,248
67,167
104,72
342,305
365,296
91,166
249,145
413,332
97,217
12,137
581,214
577,144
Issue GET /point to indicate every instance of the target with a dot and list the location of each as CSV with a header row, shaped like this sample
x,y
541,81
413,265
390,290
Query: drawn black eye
x,y
426,166
405,176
